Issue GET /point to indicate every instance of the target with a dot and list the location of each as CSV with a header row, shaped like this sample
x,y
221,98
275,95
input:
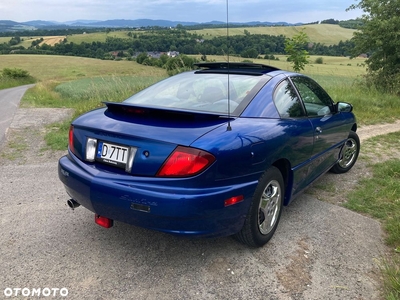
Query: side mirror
x,y
343,107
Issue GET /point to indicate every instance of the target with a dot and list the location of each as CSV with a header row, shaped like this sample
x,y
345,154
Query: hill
x,y
327,34
11,26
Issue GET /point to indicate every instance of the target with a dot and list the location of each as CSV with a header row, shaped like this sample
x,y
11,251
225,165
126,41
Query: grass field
x,y
96,36
318,33
4,39
64,68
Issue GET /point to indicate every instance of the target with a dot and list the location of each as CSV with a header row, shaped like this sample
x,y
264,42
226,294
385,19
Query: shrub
x,y
319,61
15,73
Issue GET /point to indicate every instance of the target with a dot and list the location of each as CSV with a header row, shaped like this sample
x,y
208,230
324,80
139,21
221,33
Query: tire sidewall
x,y
271,174
337,168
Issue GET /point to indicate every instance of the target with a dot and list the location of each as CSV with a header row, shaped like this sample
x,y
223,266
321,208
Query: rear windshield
x,y
201,92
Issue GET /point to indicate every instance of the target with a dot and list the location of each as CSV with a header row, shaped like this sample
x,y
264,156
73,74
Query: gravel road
x,y
320,250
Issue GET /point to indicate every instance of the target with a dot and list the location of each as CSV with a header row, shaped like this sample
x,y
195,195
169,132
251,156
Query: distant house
x,y
154,54
173,53
157,54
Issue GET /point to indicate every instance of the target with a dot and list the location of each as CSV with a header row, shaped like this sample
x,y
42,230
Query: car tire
x,y
350,151
265,210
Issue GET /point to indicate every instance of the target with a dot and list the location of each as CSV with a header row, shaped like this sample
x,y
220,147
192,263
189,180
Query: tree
x,y
141,58
296,49
378,36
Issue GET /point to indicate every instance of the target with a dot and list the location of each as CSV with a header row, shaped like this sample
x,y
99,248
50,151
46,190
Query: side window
x,y
316,101
287,102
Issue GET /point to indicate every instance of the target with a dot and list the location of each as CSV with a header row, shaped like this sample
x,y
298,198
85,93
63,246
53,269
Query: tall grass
x,y
6,83
370,105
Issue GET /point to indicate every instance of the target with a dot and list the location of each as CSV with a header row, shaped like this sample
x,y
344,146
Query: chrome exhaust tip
x,y
73,204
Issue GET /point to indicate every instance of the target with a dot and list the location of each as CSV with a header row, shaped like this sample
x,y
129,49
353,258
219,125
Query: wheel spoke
x,y
269,207
349,153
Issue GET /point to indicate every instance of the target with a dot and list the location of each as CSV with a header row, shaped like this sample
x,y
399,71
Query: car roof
x,y
235,68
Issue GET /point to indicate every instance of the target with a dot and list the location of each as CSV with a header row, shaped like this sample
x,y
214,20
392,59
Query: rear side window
x,y
287,102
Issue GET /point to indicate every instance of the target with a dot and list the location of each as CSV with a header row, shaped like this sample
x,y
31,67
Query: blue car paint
x,y
173,208
195,205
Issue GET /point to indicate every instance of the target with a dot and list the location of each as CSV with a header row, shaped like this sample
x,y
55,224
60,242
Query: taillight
x,y
71,138
184,162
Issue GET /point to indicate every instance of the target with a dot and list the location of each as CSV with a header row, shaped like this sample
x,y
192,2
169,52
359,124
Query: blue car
x,y
216,151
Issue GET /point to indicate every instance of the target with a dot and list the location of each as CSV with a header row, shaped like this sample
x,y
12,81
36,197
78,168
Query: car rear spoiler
x,y
128,109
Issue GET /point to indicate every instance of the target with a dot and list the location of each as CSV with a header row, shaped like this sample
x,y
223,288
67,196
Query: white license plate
x,y
112,154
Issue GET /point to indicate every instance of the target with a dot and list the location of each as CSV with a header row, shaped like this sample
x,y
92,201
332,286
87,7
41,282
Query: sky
x,y
291,11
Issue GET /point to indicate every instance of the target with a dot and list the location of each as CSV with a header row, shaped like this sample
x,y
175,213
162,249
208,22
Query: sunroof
x,y
224,66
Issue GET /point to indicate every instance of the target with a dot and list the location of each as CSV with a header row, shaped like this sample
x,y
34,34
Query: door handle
x,y
318,130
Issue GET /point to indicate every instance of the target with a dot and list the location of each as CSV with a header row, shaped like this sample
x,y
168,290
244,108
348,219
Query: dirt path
x,y
366,132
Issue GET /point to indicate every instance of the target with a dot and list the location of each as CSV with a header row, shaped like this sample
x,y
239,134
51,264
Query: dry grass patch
x,y
52,40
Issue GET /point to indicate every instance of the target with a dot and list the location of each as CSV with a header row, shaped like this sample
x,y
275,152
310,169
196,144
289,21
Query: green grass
x,y
98,36
6,83
379,197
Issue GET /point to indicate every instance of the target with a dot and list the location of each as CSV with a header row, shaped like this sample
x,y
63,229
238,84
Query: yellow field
x,y
52,40
4,39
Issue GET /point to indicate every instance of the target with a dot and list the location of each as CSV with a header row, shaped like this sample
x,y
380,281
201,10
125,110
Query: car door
x,y
300,132
329,130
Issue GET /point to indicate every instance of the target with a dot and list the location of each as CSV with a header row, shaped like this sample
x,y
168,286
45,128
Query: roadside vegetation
x,y
11,77
378,196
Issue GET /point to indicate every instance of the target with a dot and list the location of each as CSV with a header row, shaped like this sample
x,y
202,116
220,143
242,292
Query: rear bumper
x,y
150,203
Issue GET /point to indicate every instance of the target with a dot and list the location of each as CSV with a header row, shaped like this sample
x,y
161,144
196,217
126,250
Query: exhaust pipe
x,y
73,204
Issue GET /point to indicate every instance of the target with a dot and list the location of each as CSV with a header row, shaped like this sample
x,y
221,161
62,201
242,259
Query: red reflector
x,y
185,162
103,221
233,200
135,111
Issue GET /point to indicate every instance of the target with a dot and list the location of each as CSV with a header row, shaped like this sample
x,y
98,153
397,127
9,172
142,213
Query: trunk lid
x,y
153,132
